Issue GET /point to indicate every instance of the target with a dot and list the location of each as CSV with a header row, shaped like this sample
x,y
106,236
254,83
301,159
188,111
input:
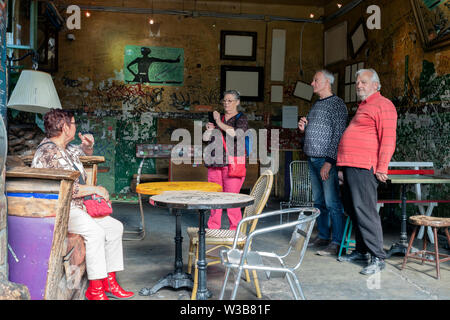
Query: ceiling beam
x,y
348,7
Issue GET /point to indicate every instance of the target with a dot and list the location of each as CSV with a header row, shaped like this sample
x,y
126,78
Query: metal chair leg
x,y
236,284
141,229
222,292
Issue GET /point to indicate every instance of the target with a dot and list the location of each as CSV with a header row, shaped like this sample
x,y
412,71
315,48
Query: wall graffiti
x,y
180,102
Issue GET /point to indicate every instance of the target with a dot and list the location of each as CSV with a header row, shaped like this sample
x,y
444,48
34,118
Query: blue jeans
x,y
327,200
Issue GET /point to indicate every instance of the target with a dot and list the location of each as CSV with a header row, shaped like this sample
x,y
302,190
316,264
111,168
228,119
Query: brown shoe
x,y
319,242
331,250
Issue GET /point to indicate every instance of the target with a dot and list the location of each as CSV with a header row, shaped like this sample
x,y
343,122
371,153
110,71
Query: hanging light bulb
x,y
87,14
339,5
311,15
151,21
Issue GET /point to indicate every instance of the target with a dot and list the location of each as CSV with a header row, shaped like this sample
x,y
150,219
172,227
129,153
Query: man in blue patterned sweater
x,y
323,128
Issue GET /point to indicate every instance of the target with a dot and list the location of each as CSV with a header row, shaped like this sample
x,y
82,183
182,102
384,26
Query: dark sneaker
x,y
355,256
319,242
375,266
331,250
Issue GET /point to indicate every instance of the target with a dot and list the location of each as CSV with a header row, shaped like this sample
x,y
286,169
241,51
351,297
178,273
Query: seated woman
x,y
102,236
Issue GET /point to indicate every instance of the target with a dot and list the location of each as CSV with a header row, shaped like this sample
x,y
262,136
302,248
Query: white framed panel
x,y
278,54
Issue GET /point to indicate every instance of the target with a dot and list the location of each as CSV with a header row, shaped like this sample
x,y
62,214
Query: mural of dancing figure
x,y
144,63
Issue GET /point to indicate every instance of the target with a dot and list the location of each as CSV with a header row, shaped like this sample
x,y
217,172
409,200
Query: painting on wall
x,y
433,24
154,65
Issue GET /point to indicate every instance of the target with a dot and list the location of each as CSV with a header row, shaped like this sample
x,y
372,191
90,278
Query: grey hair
x,y
327,75
235,93
374,78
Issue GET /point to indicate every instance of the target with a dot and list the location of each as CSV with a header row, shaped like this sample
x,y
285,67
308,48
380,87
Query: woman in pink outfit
x,y
227,125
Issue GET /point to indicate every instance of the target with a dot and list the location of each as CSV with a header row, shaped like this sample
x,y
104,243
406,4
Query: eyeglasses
x,y
227,101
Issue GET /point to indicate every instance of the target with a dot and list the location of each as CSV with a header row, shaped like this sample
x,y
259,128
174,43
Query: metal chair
x,y
140,230
225,237
246,259
301,190
347,242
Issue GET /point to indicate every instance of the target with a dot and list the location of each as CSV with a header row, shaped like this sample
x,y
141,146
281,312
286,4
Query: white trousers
x,y
103,241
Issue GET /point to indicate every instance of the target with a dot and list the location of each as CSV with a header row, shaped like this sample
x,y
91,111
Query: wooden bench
x,y
66,278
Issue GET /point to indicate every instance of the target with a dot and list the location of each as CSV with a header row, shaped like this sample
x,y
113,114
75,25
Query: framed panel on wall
x,y
238,45
303,91
335,44
358,38
249,81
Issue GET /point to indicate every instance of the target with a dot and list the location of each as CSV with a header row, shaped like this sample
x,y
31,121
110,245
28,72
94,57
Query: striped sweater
x,y
326,123
369,140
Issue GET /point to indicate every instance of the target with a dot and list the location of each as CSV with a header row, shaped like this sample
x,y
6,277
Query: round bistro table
x,y
178,278
202,202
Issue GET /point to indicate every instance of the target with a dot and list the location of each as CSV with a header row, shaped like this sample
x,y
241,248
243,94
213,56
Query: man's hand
x,y
381,176
325,170
302,123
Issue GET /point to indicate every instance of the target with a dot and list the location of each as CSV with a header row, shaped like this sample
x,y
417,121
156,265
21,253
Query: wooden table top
x,y
201,200
416,178
155,188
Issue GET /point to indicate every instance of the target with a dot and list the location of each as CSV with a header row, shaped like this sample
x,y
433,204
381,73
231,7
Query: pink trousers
x,y
220,176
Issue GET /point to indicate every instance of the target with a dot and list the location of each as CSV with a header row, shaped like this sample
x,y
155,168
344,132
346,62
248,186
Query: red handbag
x,y
96,206
236,165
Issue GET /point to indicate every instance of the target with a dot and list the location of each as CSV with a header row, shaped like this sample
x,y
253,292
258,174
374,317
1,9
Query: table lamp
x,y
34,92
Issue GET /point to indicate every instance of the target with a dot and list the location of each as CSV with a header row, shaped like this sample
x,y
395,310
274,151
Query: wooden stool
x,y
434,223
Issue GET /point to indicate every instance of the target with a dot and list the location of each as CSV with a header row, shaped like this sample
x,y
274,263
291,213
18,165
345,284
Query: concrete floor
x,y
322,278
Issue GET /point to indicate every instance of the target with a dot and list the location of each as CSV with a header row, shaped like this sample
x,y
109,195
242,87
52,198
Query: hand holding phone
x,y
211,118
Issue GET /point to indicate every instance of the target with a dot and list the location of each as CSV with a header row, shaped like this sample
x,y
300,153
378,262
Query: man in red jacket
x,y
364,153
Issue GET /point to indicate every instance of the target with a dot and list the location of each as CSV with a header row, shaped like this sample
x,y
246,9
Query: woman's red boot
x,y
113,289
95,291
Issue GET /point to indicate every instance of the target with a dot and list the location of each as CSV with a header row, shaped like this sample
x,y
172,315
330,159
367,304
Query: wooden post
x,y
29,180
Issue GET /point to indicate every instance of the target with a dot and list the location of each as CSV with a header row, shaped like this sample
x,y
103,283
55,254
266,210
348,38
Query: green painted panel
x,y
154,65
129,132
104,131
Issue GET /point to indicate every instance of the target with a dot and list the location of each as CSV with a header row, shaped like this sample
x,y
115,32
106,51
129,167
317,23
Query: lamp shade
x,y
34,92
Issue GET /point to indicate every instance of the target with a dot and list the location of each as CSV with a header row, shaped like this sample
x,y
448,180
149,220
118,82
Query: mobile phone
x,y
211,118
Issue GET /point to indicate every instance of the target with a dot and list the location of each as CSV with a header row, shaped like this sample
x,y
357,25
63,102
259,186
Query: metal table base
x,y
178,279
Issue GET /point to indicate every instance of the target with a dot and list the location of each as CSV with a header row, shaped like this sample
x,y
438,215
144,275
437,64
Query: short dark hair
x,y
54,121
